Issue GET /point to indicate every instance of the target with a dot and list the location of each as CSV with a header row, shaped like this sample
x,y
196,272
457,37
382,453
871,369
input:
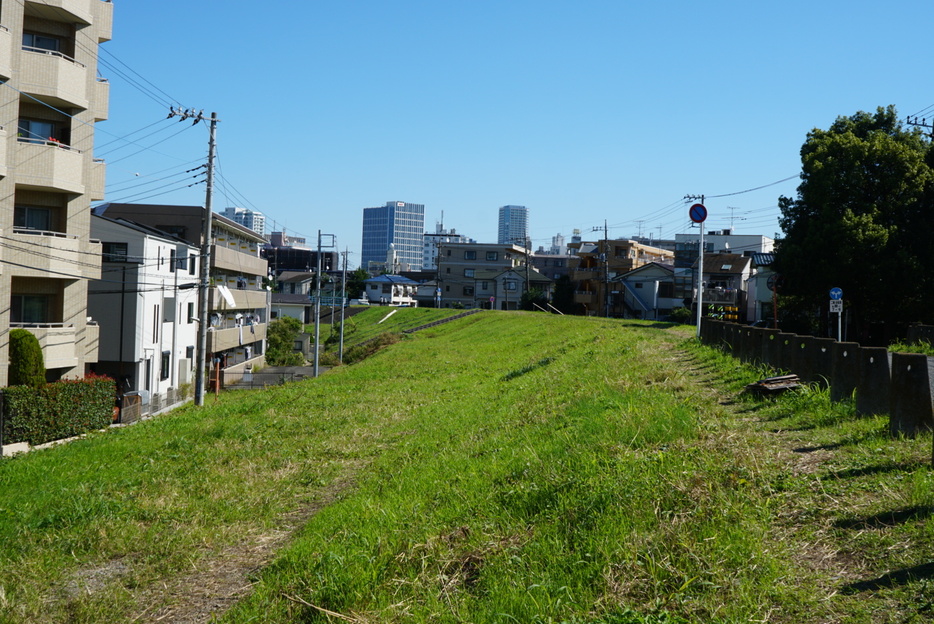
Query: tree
x,y
861,222
280,337
531,298
355,283
27,365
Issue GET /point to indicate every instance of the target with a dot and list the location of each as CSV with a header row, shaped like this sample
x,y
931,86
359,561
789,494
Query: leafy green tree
x,y
531,298
280,336
861,222
563,296
355,285
27,365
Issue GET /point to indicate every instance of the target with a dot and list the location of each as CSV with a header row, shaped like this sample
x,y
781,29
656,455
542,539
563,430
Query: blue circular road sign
x,y
698,213
836,294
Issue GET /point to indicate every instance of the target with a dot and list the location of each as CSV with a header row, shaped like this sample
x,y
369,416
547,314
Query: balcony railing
x,y
53,53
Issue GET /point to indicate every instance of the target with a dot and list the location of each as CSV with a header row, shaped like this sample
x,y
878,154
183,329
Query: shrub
x,y
682,315
27,366
58,410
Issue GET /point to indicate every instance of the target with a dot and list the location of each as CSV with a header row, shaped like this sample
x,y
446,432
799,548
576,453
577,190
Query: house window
x,y
559,263
387,289
468,291
468,272
41,42
173,261
638,284
511,285
114,252
191,313
155,323
492,256
32,218
164,367
470,255
191,264
484,285
666,289
29,309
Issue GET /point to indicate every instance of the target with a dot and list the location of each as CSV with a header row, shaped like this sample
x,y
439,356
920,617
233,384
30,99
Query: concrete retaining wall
x,y
898,384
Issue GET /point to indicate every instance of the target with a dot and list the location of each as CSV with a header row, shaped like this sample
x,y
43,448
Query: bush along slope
x,y
58,410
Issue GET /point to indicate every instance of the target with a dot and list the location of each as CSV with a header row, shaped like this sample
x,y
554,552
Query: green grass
x,y
507,467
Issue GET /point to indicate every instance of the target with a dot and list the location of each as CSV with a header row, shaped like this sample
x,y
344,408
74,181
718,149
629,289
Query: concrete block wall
x,y
898,384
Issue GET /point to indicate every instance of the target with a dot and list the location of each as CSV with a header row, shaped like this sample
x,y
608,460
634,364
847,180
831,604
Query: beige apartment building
x,y
49,176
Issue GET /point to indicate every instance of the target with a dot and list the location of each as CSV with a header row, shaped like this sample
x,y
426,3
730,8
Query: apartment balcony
x,y
723,296
40,254
43,165
98,179
59,79
586,297
6,52
243,300
231,338
104,20
79,11
58,342
589,273
101,99
228,259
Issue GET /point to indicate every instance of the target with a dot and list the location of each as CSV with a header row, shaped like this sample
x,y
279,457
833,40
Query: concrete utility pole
x,y
318,298
606,268
700,264
205,267
340,351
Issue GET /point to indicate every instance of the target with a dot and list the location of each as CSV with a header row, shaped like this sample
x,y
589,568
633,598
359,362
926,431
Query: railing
x,y
49,142
34,232
133,409
53,53
43,325
728,295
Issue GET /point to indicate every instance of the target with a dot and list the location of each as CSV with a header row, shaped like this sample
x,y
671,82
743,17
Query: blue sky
x,y
585,112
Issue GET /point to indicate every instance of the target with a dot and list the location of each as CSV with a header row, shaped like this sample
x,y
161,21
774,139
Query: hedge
x,y
57,410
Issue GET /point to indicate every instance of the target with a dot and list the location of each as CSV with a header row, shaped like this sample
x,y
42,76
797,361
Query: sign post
x,y
698,214
836,305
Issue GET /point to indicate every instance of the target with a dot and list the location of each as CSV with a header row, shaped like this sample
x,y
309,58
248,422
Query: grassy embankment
x,y
502,468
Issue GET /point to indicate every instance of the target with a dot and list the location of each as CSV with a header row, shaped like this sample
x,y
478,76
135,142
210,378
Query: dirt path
x,y
220,581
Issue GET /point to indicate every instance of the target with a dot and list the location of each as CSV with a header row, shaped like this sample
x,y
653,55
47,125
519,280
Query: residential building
x,y
502,289
595,264
648,291
513,225
719,241
147,302
290,253
431,241
458,264
251,219
761,289
238,301
554,266
394,290
293,296
49,176
725,278
397,224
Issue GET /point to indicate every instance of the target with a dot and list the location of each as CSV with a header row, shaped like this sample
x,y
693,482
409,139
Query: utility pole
x,y
205,263
606,268
318,299
913,121
340,350
700,263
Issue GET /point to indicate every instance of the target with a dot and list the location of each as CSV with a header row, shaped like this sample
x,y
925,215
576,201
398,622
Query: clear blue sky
x,y
584,112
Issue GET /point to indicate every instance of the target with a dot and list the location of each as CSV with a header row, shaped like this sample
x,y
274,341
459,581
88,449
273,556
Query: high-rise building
x,y
399,224
513,225
252,219
49,176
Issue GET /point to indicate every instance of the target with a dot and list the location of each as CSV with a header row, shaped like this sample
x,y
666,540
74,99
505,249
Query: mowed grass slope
x,y
506,467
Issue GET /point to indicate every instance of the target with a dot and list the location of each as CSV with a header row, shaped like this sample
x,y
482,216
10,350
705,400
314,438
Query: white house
x,y
146,304
394,290
648,292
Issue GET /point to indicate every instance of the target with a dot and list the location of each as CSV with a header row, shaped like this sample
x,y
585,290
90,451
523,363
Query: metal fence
x,y
134,407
